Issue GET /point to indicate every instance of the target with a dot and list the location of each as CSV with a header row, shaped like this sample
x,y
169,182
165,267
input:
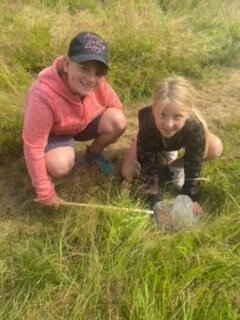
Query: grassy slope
x,y
95,264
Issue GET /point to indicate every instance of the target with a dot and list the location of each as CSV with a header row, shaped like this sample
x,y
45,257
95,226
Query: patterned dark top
x,y
150,142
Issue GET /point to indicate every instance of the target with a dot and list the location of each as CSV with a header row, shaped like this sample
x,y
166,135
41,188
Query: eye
x,y
83,67
162,115
178,117
100,73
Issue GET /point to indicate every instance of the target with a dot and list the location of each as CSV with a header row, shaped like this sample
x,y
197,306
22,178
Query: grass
x,y
83,263
83,267
194,39
79,263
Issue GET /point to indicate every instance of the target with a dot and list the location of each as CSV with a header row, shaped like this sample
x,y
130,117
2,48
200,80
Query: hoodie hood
x,y
54,78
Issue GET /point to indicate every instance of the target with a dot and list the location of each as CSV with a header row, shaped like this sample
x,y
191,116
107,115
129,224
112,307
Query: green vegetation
x,y
95,264
193,38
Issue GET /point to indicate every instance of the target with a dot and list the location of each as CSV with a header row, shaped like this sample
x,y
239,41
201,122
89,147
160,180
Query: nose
x,y
91,77
168,123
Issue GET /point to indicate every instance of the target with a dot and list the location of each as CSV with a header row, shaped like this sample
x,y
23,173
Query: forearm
x,y
190,187
41,181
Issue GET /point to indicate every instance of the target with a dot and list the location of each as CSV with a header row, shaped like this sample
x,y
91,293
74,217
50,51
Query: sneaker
x,y
178,177
98,159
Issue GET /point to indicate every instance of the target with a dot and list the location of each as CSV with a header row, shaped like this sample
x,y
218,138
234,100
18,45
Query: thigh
x,y
112,120
90,132
55,142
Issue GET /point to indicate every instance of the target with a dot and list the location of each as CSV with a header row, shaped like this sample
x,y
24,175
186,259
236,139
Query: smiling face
x,y
84,78
169,117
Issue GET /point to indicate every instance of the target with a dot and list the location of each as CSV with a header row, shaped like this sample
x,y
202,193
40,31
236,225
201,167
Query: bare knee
x,y
119,124
218,148
113,122
215,148
61,168
59,163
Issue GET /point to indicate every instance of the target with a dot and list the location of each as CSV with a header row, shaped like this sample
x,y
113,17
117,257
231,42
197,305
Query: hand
x,y
152,199
54,202
197,210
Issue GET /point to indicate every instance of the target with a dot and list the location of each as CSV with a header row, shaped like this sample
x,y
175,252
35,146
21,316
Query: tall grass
x,y
95,264
148,40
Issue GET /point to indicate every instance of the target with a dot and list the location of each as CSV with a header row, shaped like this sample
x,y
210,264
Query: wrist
x,y
152,199
45,200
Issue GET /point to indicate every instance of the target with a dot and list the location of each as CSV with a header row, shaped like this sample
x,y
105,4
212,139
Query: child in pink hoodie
x,y
70,101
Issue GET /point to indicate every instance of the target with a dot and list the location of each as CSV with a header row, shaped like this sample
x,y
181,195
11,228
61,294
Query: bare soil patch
x,y
220,100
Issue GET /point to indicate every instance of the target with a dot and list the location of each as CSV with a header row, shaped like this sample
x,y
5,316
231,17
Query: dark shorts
x,y
89,133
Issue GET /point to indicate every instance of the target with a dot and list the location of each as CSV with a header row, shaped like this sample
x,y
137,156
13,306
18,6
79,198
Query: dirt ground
x,y
219,101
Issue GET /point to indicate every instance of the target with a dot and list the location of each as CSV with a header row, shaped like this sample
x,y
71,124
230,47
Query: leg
x,y
59,155
215,147
105,129
59,161
130,167
214,151
111,126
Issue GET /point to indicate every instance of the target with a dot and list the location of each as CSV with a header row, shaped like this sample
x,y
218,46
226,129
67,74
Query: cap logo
x,y
93,43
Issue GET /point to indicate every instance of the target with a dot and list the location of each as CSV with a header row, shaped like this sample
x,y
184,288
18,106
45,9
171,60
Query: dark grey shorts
x,y
89,133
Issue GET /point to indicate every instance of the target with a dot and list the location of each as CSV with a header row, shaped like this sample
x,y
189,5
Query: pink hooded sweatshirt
x,y
52,108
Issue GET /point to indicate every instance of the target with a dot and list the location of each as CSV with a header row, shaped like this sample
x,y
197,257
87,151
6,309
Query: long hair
x,y
178,90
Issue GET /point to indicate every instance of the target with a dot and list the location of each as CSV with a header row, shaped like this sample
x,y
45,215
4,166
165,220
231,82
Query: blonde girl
x,y
168,125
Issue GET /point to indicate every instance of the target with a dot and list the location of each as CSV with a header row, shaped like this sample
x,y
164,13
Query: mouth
x,y
168,132
87,86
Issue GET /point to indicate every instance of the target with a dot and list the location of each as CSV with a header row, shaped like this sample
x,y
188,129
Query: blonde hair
x,y
179,91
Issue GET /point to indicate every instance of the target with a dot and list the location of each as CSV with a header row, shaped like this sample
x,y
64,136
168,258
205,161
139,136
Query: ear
x,y
65,65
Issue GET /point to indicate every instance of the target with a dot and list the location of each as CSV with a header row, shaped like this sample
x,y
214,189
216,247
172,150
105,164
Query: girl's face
x,y
169,118
83,78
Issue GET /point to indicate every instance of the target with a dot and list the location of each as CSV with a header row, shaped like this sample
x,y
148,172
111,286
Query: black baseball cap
x,y
87,46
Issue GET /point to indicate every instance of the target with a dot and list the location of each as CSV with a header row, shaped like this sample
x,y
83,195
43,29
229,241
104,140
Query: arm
x,y
148,159
193,158
38,122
